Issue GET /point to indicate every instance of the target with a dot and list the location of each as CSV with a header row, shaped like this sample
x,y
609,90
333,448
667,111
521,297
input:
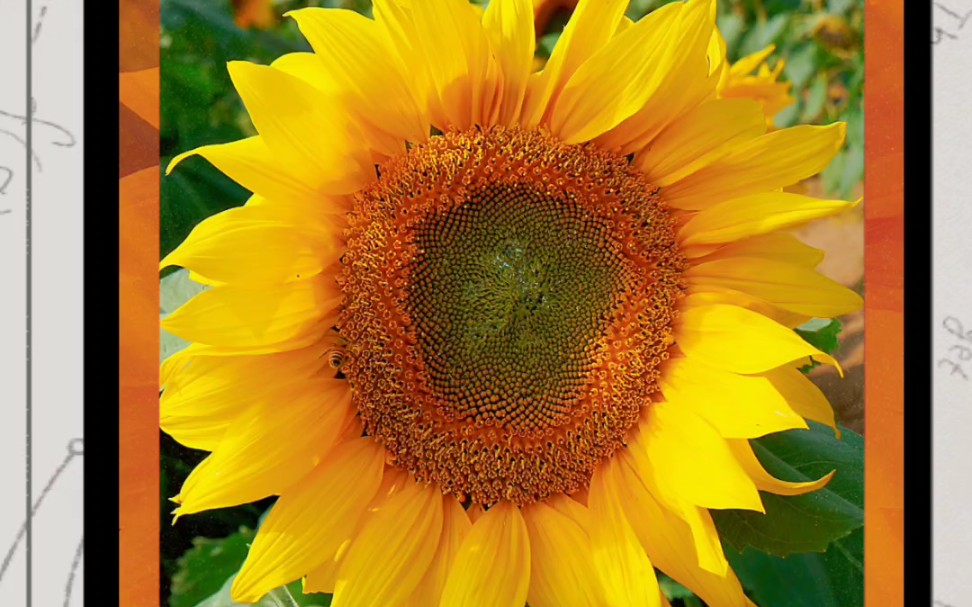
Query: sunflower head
x,y
518,294
498,335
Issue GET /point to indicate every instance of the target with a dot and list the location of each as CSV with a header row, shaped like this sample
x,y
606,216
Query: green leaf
x,y
801,65
853,171
206,571
832,579
672,589
546,44
839,7
763,34
203,569
821,333
287,596
816,99
789,115
803,523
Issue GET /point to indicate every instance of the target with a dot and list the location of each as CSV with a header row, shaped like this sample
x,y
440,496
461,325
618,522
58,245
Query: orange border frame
x,y
884,304
138,304
884,307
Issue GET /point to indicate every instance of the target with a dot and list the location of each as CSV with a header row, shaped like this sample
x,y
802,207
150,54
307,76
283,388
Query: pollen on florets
x,y
508,301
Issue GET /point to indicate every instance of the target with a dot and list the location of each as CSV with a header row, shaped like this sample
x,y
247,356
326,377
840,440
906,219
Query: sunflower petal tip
x,y
176,160
840,370
168,260
243,590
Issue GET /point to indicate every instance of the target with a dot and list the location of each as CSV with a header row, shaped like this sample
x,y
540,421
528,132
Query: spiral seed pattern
x,y
508,300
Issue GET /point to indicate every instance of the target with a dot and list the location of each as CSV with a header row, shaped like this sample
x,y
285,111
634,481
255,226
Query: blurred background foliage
x,y
821,45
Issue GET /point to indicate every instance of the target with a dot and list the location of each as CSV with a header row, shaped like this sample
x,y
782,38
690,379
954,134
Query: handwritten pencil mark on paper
x,y
959,351
948,22
41,545
75,448
40,22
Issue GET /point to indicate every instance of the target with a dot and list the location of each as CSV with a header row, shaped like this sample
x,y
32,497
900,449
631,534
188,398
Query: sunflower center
x,y
509,292
508,302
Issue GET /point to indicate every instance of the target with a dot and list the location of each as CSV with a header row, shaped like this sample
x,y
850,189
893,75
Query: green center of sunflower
x,y
509,292
508,303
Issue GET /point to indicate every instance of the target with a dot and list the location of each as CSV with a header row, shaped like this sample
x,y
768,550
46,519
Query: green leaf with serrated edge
x,y
803,523
832,579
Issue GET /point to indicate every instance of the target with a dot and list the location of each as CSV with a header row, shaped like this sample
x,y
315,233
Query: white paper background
x,y
952,251
57,258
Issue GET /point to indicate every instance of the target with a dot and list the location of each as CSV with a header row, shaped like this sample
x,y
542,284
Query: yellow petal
x,y
394,20
673,547
699,138
699,296
689,462
449,38
247,245
701,526
775,245
755,215
355,55
618,80
493,564
389,557
455,528
308,523
309,68
323,578
305,128
250,163
737,406
788,286
174,364
740,340
768,162
562,572
208,393
687,84
716,56
591,25
268,448
766,481
803,395
509,24
619,559
750,62
286,317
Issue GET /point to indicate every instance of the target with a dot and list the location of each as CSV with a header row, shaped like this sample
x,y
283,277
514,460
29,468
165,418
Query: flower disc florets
x,y
508,300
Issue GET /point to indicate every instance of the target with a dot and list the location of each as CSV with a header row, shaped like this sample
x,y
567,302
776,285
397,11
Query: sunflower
x,y
497,336
752,78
